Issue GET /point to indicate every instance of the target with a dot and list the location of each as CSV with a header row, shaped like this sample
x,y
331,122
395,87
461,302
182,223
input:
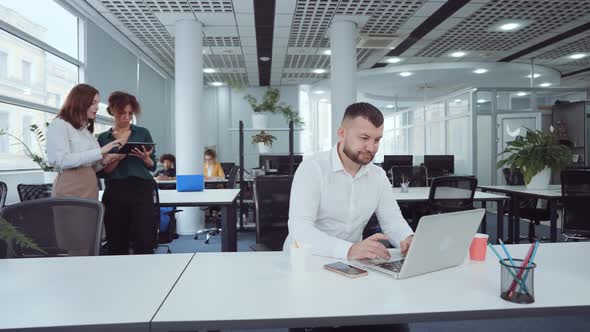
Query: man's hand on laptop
x,y
370,248
405,244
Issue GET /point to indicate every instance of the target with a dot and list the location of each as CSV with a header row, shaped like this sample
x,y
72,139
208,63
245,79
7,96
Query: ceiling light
x,y
216,83
327,52
319,92
457,100
535,76
509,26
577,56
481,101
264,58
319,71
458,54
324,100
209,70
389,106
405,74
394,60
546,84
521,94
480,71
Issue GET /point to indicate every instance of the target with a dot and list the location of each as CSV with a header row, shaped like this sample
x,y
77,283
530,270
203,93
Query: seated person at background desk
x,y
334,193
212,168
169,172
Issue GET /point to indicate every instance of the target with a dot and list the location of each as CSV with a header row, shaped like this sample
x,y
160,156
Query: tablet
x,y
129,146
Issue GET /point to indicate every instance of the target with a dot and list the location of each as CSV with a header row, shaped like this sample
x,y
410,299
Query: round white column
x,y
342,70
188,63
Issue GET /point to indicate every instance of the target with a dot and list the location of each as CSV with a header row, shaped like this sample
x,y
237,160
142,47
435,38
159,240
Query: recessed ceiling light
x,y
216,83
327,52
405,74
521,94
319,92
458,54
389,106
324,100
394,60
480,71
209,70
457,100
509,26
319,71
577,56
264,58
481,101
546,84
536,75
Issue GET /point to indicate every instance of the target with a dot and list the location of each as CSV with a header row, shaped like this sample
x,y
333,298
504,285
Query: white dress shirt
x,y
68,147
329,208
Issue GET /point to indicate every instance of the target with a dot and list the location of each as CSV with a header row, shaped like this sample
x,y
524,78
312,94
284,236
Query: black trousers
x,y
129,216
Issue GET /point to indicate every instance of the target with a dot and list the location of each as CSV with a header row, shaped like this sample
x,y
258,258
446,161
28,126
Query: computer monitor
x,y
396,160
278,164
439,165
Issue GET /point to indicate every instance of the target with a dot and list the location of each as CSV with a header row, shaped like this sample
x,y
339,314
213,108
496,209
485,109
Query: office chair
x,y
271,201
161,238
27,192
417,175
575,191
59,226
3,194
212,231
227,168
528,206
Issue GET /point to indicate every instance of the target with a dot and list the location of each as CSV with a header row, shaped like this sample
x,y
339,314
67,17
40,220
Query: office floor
x,y
186,244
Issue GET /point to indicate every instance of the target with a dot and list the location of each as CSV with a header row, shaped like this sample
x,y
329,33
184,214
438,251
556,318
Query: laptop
x,y
441,241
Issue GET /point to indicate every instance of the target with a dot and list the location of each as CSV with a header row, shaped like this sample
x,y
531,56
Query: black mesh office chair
x,y
451,194
59,226
417,175
528,206
227,167
271,200
212,231
575,191
3,194
27,192
161,238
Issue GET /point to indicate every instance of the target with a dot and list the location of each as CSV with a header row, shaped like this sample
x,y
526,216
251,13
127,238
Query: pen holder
x,y
517,283
405,187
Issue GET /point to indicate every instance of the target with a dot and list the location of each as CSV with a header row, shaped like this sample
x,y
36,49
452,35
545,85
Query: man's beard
x,y
356,156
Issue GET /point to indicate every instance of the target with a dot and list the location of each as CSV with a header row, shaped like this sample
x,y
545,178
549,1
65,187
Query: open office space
x,y
301,165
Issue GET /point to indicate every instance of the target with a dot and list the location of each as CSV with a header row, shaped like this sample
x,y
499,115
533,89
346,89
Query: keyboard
x,y
395,266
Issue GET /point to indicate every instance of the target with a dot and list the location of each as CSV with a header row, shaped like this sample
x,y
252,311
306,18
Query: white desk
x,y
225,198
420,194
256,290
120,293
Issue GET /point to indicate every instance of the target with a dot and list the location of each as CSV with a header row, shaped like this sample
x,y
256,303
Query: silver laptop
x,y
441,241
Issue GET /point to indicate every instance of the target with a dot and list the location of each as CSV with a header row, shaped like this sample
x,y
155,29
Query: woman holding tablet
x,y
72,148
128,196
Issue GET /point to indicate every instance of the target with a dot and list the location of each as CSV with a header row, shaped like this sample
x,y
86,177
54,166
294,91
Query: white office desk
x,y
115,293
256,290
225,198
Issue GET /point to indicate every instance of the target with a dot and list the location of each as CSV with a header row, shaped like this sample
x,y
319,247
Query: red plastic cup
x,y
478,249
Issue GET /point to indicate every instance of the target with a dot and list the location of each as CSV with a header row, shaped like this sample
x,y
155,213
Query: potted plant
x,y
49,172
264,141
9,233
270,104
536,154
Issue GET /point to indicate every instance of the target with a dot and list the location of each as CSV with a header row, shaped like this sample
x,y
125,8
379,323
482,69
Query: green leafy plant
x,y
263,137
9,233
270,103
535,151
37,158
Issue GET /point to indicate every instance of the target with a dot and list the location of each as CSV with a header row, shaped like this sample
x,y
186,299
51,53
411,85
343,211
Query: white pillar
x,y
224,137
342,70
188,48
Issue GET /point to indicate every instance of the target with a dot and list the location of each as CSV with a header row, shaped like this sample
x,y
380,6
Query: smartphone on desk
x,y
345,269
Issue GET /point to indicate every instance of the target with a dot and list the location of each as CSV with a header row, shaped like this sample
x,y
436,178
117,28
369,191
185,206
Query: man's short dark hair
x,y
367,111
168,156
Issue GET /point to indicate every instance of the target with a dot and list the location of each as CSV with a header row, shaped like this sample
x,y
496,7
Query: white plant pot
x,y
264,148
259,121
49,177
540,180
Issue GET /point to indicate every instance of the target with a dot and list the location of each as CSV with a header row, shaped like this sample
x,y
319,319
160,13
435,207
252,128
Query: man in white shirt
x,y
335,193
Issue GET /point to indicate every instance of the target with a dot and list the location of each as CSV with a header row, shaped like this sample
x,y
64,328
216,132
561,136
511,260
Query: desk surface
x,y
259,291
88,293
416,194
552,191
195,198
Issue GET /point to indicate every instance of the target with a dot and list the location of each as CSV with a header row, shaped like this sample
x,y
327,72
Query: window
x,y
3,65
27,134
26,73
4,139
